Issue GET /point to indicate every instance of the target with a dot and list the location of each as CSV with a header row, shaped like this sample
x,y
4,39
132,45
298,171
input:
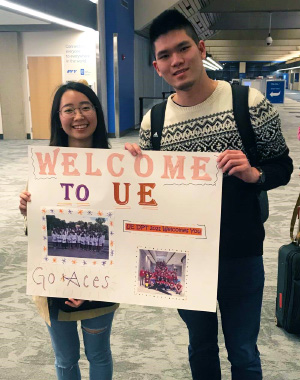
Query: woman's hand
x,y
74,302
25,197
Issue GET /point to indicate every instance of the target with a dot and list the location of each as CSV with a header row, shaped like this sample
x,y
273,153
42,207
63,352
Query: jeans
x,y
240,291
65,343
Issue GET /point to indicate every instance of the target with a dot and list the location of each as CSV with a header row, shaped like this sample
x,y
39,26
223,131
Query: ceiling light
x,y
205,64
289,68
43,16
208,66
214,62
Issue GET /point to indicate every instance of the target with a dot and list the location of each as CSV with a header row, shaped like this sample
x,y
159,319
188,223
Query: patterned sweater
x,y
210,127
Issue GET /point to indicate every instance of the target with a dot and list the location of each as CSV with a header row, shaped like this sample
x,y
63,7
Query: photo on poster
x,y
77,234
162,273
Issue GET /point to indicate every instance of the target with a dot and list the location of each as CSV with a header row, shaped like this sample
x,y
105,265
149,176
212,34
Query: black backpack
x,y
242,119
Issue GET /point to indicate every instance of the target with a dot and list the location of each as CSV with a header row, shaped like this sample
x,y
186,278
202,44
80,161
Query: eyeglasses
x,y
68,112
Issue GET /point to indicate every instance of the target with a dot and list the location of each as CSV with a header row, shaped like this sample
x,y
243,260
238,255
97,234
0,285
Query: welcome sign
x,y
104,225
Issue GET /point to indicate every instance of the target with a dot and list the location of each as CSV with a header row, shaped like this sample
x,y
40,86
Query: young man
x,y
199,117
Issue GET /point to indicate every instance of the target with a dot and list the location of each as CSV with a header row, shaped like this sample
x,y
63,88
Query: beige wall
x,y
54,44
295,85
11,93
1,129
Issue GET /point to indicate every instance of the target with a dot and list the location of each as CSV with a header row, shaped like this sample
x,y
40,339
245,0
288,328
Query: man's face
x,y
179,59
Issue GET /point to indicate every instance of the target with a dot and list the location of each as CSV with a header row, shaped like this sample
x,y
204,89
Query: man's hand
x,y
235,163
74,302
134,149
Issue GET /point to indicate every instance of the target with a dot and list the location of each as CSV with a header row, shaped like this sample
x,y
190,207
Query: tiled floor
x,y
148,343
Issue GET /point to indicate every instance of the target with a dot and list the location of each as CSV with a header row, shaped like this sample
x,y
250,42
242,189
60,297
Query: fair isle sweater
x,y
210,127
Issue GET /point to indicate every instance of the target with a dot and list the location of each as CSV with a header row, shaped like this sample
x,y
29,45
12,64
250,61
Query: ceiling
x,y
10,18
233,30
45,15
236,30
11,21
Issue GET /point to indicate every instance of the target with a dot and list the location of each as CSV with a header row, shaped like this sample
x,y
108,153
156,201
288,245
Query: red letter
x,y
142,193
197,167
178,167
47,162
89,170
137,166
117,193
110,164
67,162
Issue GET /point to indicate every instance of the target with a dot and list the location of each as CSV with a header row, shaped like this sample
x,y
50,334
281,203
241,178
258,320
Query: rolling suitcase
x,y
288,281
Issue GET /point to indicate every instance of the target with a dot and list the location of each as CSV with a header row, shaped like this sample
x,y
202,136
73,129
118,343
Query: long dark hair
x,y
58,135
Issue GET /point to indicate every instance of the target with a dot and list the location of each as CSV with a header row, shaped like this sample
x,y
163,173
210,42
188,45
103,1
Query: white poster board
x,y
104,225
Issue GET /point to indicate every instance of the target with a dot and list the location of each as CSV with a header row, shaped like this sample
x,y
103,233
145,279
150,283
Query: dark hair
x,y
166,22
58,135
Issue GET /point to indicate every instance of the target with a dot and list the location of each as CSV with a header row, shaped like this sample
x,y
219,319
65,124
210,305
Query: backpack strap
x,y
242,118
243,122
157,123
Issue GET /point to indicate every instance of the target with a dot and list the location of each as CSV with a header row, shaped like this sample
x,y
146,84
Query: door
x,y
45,75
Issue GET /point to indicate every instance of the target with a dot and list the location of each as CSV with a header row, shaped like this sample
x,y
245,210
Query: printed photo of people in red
x,y
162,272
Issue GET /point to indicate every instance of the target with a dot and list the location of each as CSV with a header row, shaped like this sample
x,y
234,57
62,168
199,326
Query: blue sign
x,y
275,91
82,71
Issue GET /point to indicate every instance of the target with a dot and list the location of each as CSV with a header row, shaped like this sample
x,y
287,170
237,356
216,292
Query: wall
x,y
78,52
11,95
146,80
120,20
1,128
295,85
101,59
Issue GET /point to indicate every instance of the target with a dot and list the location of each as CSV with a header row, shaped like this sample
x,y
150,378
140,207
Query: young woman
x,y
77,121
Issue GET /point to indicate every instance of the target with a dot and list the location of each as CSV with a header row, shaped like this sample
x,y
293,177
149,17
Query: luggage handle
x,y
296,211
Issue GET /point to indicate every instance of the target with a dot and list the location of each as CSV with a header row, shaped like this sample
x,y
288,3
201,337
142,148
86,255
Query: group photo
x,y
79,238
161,272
